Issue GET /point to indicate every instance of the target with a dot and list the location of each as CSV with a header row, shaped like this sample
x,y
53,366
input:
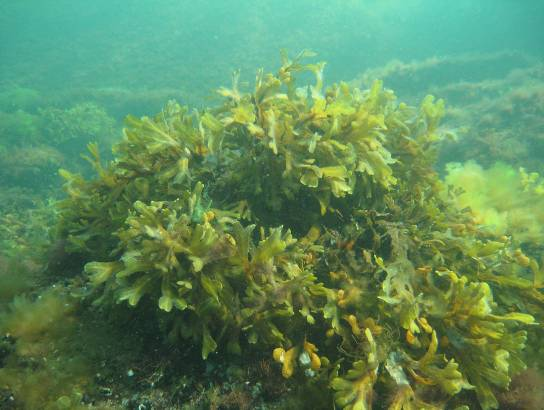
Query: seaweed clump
x,y
36,370
505,200
306,222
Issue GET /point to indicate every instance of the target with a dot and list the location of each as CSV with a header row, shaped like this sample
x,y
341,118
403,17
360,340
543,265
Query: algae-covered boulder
x,y
306,221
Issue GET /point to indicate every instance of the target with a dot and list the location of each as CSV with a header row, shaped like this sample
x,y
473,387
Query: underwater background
x,y
271,205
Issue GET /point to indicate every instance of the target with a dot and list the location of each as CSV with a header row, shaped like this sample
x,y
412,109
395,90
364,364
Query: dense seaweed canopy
x,y
307,222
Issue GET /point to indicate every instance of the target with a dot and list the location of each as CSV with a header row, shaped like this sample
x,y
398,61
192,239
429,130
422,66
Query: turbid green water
x,y
191,47
359,225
